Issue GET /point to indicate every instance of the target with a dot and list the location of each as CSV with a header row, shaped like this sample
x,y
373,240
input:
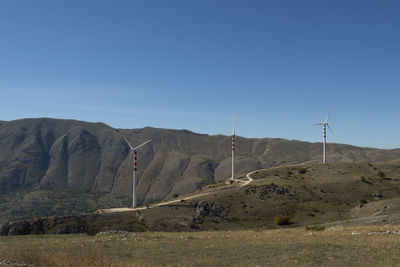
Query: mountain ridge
x,y
52,154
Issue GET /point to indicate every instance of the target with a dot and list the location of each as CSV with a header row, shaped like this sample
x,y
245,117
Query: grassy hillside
x,y
44,155
354,246
316,194
309,194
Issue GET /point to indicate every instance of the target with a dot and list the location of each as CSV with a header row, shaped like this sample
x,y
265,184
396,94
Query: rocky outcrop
x,y
34,226
86,223
41,226
71,229
205,209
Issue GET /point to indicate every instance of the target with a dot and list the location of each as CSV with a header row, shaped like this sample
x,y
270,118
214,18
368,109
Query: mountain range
x,y
92,158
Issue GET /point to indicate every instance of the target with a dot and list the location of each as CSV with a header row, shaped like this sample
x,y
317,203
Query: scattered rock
x,y
377,213
14,263
262,190
388,232
116,232
377,196
71,229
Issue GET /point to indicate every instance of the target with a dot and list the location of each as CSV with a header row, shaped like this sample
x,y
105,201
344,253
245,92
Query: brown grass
x,y
354,246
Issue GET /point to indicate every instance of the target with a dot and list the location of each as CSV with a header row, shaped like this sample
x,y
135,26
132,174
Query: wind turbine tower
x,y
233,149
133,151
324,124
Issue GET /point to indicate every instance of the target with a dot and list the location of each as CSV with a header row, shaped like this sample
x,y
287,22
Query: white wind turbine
x,y
324,124
133,151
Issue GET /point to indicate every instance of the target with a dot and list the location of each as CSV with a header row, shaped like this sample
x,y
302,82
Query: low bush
x,y
315,228
302,171
193,225
381,174
365,181
281,220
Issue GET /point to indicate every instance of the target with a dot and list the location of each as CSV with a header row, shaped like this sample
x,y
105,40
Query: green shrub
x,y
193,225
281,220
315,228
175,195
363,180
381,174
302,171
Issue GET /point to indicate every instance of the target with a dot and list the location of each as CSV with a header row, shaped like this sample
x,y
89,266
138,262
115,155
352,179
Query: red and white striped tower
x,y
134,179
324,124
133,151
233,149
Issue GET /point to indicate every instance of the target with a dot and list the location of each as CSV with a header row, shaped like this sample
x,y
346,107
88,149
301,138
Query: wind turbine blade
x,y
126,140
327,116
233,123
142,144
130,157
318,124
329,127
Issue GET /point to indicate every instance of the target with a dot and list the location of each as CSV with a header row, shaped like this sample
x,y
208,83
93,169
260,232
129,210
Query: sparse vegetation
x,y
381,174
363,180
281,220
302,170
315,228
348,246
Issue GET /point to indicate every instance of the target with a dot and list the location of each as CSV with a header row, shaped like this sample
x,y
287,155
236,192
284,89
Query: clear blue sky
x,y
279,65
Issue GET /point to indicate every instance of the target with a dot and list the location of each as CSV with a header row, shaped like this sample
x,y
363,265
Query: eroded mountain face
x,y
92,157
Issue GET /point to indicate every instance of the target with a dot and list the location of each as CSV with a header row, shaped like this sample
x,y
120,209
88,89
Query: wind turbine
x,y
133,151
233,149
324,124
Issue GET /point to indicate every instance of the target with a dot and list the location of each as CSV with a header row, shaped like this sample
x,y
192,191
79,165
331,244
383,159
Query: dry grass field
x,y
335,246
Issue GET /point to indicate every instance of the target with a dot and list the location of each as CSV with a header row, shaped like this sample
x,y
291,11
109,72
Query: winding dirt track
x,y
243,183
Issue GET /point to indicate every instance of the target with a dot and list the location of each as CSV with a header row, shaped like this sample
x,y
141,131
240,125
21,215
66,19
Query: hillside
x,y
65,158
338,194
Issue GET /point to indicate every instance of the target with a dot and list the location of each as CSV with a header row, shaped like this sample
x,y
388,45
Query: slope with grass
x,y
308,193
348,246
48,155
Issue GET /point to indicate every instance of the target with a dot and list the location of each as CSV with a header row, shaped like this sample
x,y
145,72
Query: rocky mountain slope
x,y
67,155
